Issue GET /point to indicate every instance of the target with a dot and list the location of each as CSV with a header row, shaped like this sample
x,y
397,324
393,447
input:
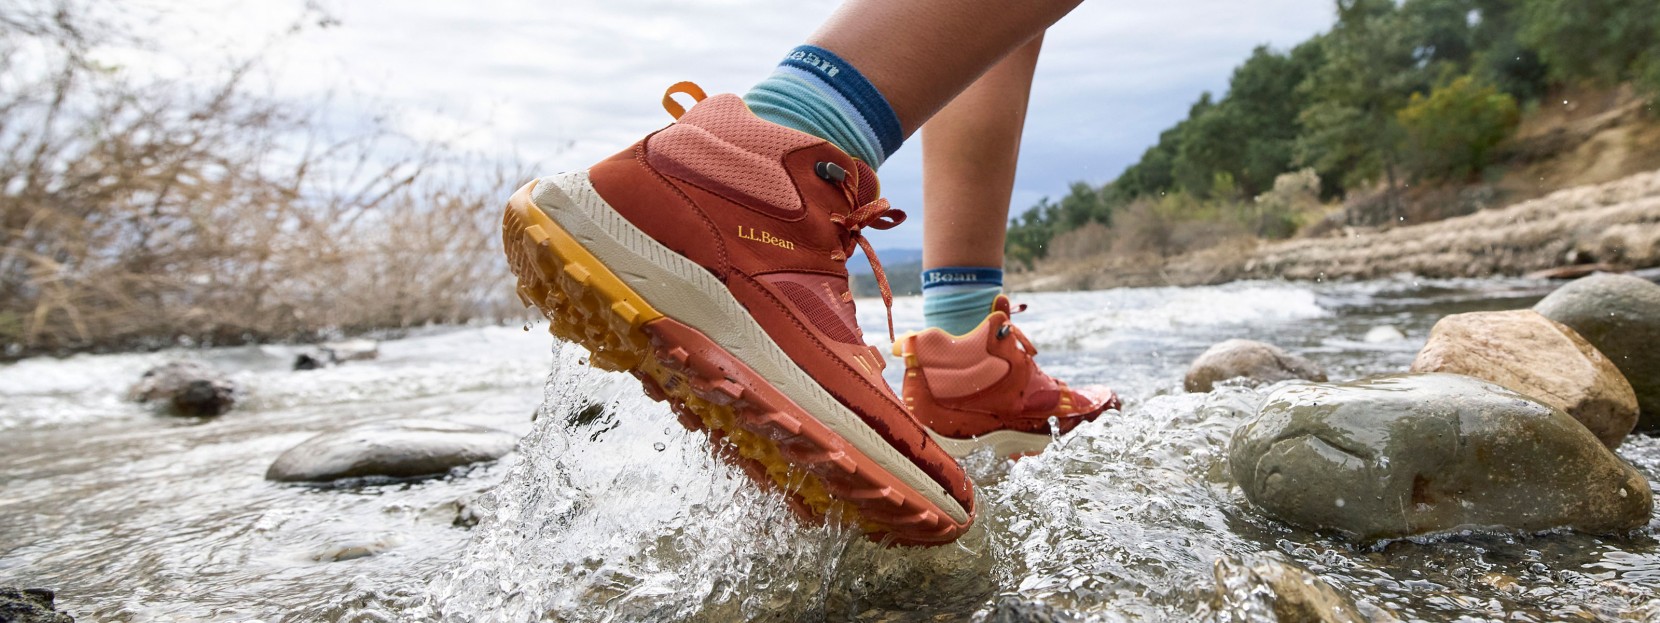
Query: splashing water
x,y
611,511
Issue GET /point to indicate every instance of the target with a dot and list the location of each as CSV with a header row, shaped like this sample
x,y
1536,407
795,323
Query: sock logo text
x,y
814,60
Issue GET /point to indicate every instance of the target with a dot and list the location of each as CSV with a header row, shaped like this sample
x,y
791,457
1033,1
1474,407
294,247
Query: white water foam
x,y
1098,319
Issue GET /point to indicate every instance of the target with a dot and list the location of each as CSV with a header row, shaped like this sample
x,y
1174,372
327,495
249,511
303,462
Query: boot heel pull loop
x,y
688,88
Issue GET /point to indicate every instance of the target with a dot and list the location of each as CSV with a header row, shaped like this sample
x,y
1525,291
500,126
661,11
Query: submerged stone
x,y
1291,593
1620,315
1403,455
1537,357
391,449
1384,334
186,388
1256,362
335,353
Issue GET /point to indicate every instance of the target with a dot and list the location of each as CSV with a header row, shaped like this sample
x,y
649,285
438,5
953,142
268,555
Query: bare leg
x,y
969,151
922,54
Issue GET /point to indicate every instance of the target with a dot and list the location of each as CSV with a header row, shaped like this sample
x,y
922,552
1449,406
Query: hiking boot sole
x,y
1004,443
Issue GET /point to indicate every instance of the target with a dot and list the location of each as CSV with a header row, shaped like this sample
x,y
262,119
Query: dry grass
x,y
137,214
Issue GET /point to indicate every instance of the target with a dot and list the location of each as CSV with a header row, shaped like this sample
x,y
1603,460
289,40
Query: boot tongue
x,y
868,189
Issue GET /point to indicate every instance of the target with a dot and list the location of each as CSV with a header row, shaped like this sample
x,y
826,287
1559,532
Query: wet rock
x,y
310,361
1011,609
1401,455
353,550
352,350
335,353
1620,315
30,605
1383,334
1256,362
1292,593
1537,357
390,449
186,388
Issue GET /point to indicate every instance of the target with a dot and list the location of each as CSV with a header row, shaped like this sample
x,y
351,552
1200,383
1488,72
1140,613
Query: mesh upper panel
x,y
818,313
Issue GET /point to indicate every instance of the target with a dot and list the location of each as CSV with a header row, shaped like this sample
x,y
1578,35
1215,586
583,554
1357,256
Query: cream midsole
x,y
685,291
1002,443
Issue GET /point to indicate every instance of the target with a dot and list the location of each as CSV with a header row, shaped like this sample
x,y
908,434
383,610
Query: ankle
x,y
816,92
957,299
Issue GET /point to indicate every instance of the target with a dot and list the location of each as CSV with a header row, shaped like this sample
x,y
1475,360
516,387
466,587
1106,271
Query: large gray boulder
x,y
1255,362
390,449
1620,315
1537,357
186,388
1401,455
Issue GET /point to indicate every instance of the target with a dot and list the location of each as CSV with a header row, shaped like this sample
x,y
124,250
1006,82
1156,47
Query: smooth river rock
x,y
1402,455
1254,361
1537,357
30,605
1620,315
186,388
391,449
1383,335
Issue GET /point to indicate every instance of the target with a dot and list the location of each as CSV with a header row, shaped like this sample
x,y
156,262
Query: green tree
x,y
1450,134
1601,41
1441,30
1371,68
1155,172
1250,135
1500,57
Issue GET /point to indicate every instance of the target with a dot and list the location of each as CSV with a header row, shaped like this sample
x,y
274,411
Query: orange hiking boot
x,y
984,390
709,260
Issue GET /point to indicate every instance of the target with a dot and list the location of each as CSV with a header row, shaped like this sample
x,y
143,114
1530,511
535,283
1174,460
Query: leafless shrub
x,y
1089,240
137,213
1143,228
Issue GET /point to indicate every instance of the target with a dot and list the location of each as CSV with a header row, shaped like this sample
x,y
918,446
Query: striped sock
x,y
817,92
956,299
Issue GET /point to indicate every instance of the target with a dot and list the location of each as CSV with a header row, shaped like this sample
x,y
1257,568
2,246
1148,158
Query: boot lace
x,y
878,215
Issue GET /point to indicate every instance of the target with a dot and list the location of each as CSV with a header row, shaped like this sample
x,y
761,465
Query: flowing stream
x,y
610,511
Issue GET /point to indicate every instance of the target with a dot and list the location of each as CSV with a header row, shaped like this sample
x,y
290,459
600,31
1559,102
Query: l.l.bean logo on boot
x,y
749,233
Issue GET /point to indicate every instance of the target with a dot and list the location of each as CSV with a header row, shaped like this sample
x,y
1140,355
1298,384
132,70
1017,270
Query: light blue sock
x,y
956,299
817,92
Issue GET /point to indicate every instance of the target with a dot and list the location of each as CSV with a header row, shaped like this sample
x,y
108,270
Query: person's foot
x,y
709,260
983,389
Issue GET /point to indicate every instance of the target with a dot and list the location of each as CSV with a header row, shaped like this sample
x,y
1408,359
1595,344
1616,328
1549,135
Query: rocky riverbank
x,y
1616,223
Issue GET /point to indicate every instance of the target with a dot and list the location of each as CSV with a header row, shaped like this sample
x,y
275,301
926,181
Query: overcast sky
x,y
565,83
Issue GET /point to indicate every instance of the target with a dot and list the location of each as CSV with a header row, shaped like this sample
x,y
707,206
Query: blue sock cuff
x,y
852,85
962,276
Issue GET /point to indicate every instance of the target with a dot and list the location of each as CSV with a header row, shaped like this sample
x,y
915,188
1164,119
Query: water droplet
x,y
659,446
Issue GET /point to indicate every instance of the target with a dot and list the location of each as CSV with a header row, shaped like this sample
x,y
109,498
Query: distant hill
x,y
903,267
858,265
1408,111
